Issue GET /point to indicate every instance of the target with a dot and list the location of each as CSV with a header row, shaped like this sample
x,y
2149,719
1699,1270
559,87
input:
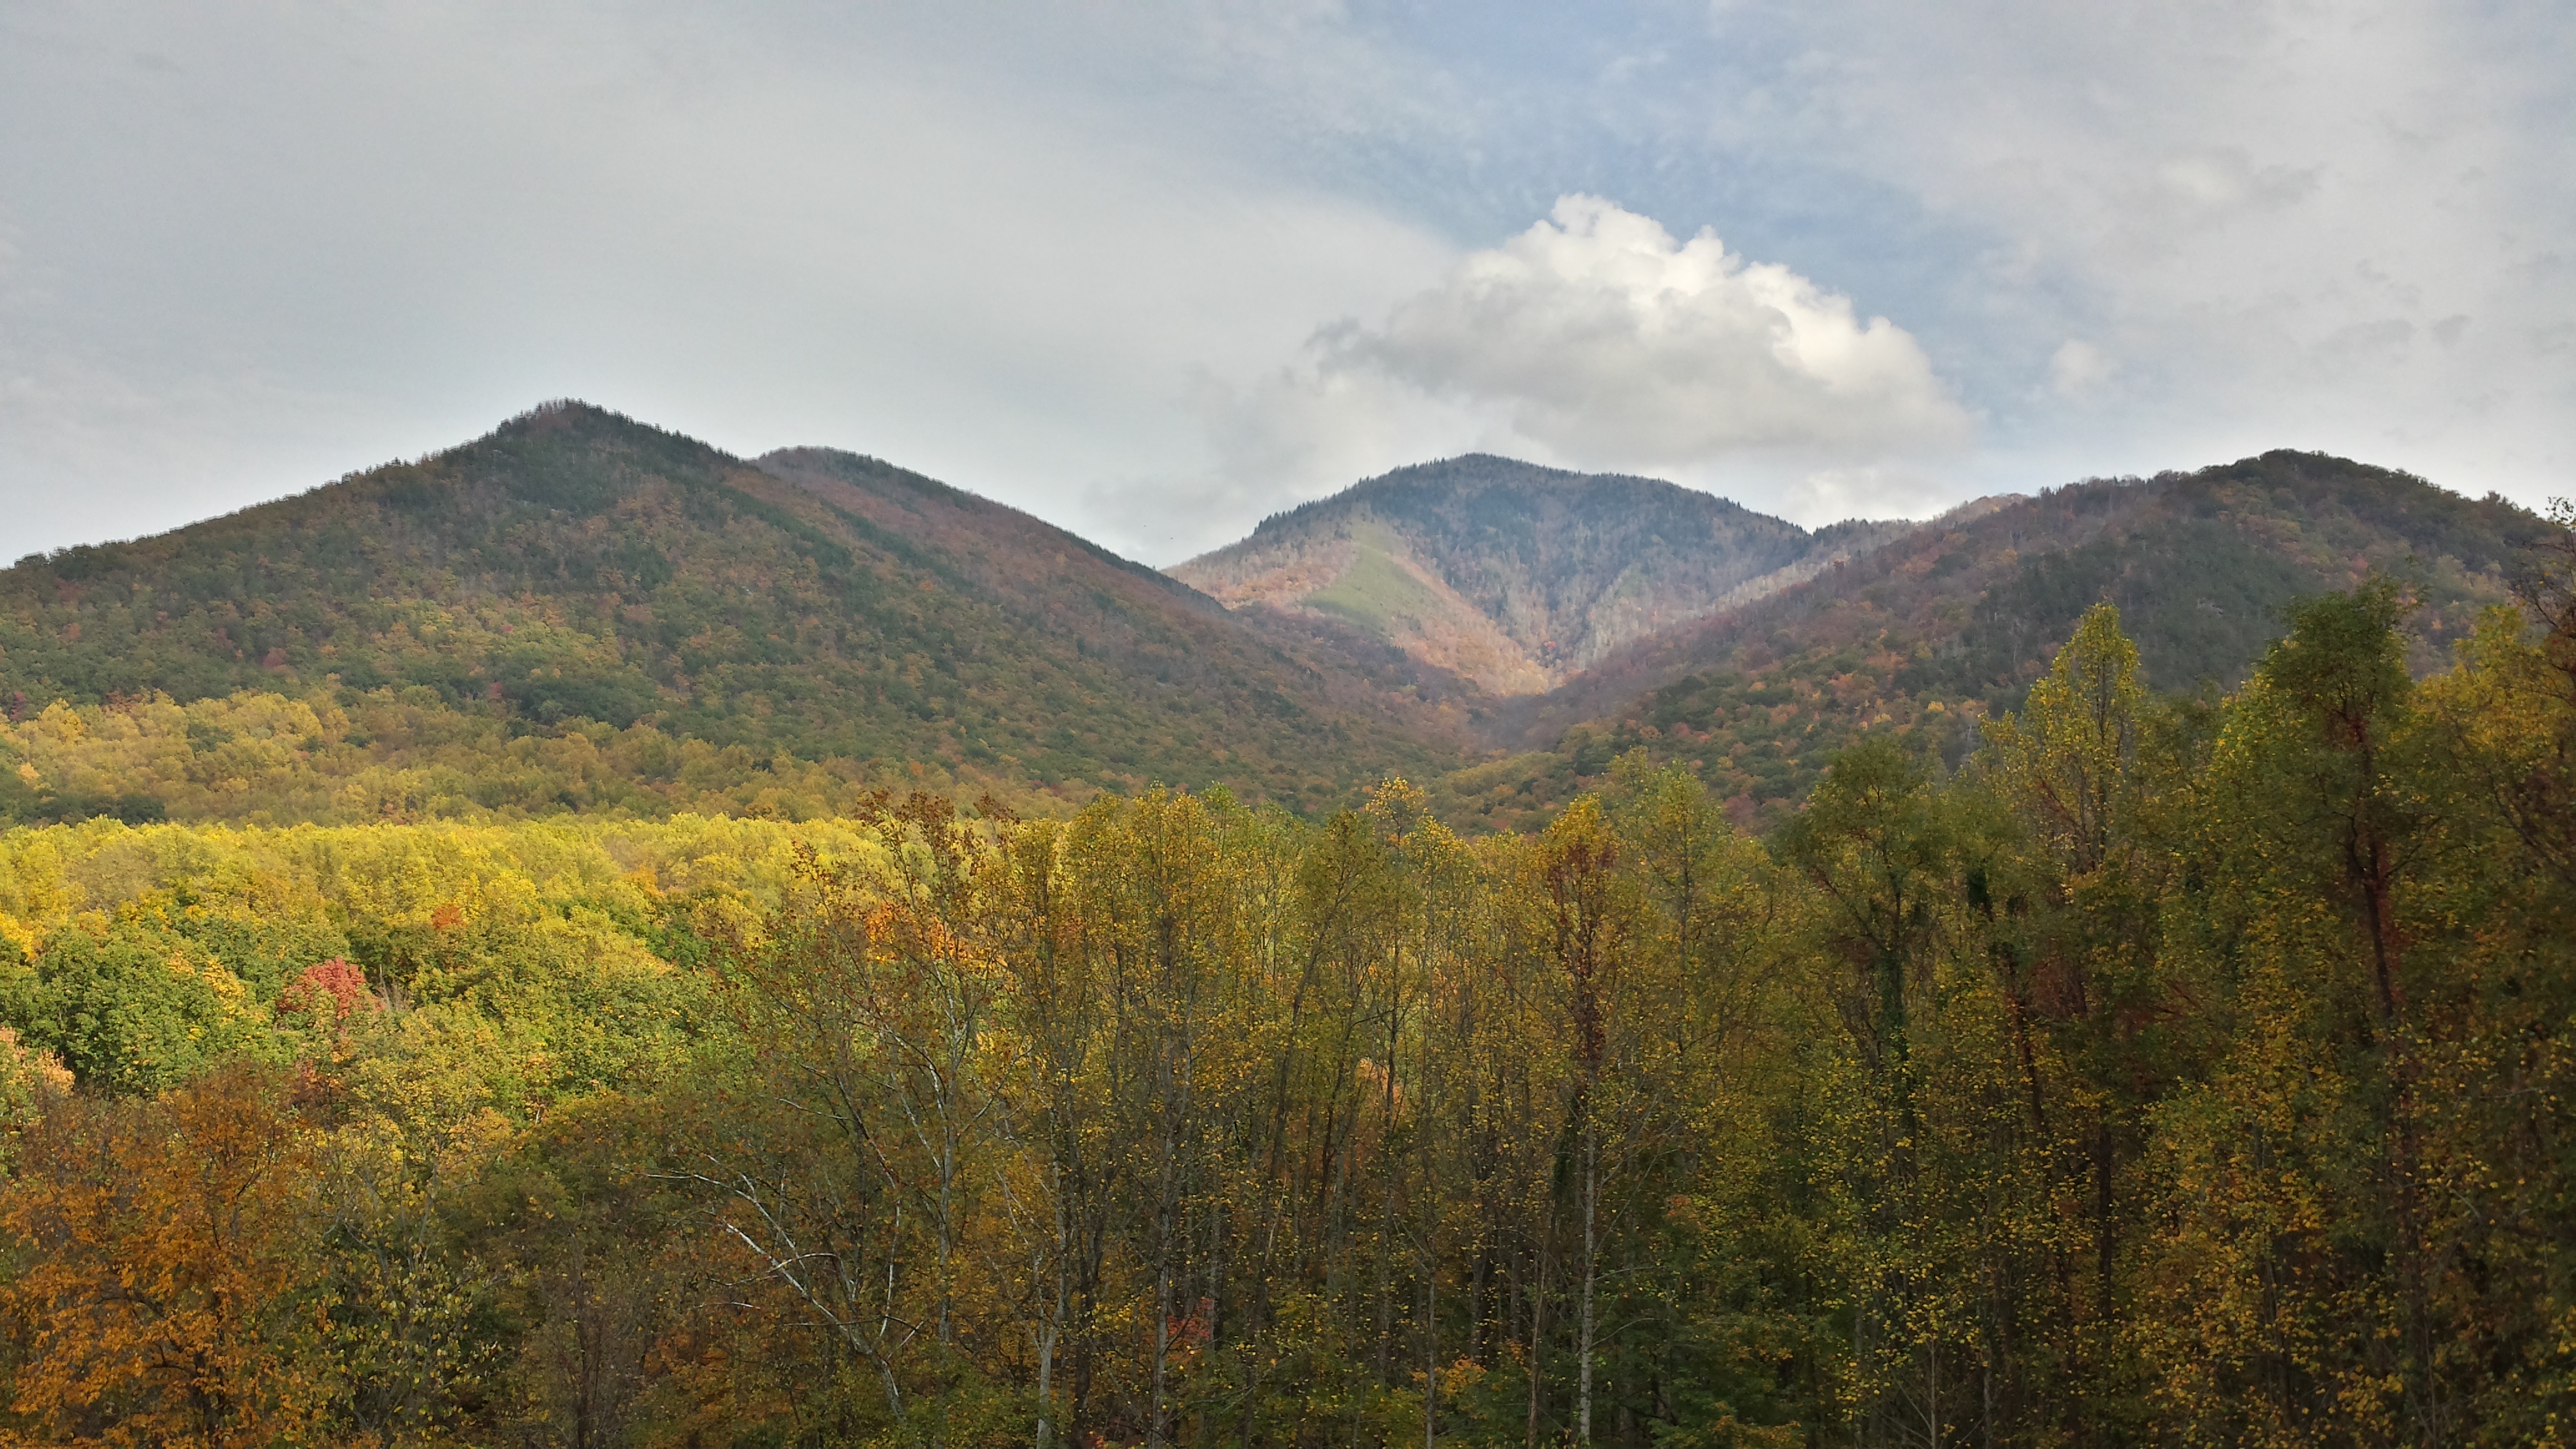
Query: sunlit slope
x,y
575,566
1958,618
1514,575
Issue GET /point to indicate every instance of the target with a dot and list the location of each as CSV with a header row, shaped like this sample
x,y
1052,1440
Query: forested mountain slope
x,y
1514,575
2226,1108
579,571
2165,1071
1959,617
1043,572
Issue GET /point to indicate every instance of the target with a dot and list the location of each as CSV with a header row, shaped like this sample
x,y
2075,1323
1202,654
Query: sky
x,y
1154,270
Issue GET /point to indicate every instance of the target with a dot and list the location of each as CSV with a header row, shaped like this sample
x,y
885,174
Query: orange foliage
x,y
169,1241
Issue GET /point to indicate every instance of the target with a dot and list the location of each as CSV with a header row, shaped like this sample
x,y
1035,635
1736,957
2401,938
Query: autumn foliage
x,y
2167,1071
166,1244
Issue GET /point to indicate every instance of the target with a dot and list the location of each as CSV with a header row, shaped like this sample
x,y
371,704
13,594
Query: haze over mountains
x,y
633,620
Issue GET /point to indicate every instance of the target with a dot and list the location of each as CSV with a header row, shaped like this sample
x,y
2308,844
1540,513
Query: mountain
x,y
578,573
579,612
1514,576
1957,618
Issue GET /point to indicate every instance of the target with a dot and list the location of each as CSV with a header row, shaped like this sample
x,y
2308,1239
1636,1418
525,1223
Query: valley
x,y
586,940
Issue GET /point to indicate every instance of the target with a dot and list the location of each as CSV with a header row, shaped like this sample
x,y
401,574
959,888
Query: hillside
x,y
1513,575
1956,619
644,602
581,613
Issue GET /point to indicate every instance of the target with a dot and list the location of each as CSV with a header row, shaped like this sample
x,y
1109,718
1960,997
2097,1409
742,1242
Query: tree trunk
x,y
1430,1346
1538,1327
1591,1265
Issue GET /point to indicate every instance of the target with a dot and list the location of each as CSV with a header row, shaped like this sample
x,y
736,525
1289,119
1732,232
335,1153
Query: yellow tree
x,y
1876,846
2288,1298
1578,861
2068,908
1698,1077
1156,905
855,1173
165,1245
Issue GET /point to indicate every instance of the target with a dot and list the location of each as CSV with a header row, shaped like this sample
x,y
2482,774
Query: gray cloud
x,y
2222,198
1078,257
781,229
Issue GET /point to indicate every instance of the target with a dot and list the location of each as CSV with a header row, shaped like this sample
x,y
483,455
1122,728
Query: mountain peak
x,y
1473,474
560,421
571,414
1512,573
576,569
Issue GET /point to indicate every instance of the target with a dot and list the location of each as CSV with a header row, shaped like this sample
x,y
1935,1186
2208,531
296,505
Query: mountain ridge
x,y
574,565
578,611
1954,620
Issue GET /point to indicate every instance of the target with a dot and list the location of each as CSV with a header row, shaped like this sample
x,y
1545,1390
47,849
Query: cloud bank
x,y
1086,259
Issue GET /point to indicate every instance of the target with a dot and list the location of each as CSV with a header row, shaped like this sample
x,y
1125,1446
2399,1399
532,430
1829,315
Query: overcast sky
x,y
1152,271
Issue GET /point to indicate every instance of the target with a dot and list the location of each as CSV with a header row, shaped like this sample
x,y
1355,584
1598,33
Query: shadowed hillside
x,y
1958,618
1514,575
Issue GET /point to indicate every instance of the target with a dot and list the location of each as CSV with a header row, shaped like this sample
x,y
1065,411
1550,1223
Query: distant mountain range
x,y
1496,629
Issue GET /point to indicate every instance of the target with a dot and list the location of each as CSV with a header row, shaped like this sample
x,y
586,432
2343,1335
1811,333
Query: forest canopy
x,y
2151,1070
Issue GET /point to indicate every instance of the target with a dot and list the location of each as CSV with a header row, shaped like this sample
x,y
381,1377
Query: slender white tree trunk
x,y
1054,1329
1591,1259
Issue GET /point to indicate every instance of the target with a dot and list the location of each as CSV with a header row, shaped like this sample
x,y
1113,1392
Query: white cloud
x,y
1599,336
1594,339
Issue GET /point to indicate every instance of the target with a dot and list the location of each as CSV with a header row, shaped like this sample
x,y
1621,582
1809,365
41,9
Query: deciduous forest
x,y
2163,1070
